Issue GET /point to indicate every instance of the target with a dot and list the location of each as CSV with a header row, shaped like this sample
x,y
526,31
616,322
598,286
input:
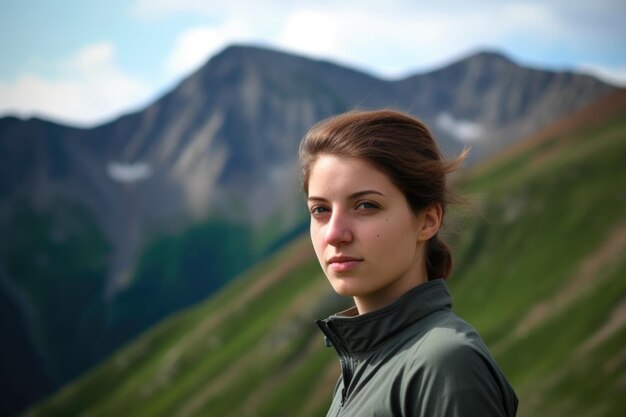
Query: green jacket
x,y
415,358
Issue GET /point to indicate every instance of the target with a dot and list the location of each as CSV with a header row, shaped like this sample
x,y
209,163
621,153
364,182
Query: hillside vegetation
x,y
540,272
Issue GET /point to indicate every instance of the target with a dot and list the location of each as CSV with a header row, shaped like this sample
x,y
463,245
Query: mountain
x,y
109,229
539,271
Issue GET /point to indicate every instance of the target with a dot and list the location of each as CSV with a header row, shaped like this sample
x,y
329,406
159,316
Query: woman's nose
x,y
338,230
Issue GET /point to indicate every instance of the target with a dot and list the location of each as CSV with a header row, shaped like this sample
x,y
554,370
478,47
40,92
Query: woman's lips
x,y
343,263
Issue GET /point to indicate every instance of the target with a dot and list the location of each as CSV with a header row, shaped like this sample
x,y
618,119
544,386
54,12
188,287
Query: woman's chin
x,y
347,290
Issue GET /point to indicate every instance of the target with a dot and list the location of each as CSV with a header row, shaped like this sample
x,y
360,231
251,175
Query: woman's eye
x,y
366,205
318,210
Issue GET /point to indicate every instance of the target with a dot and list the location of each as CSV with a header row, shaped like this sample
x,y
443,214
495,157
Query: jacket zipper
x,y
344,357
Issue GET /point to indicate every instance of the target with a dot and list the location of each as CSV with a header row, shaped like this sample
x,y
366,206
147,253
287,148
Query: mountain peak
x,y
242,49
249,52
490,55
488,58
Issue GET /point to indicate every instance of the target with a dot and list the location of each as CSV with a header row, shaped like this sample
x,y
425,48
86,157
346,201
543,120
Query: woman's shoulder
x,y
449,371
451,359
448,342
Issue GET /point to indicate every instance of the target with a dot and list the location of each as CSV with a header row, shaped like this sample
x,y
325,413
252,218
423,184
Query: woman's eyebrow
x,y
365,192
352,196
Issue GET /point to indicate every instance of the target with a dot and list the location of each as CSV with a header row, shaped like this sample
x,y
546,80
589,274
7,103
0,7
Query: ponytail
x,y
438,259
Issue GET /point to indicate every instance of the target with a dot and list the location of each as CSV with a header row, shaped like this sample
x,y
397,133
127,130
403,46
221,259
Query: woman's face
x,y
367,239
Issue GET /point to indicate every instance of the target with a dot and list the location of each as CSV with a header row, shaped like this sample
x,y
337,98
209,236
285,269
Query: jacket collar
x,y
360,333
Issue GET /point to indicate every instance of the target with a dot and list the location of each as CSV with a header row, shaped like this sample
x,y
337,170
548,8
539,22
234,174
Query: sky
x,y
84,62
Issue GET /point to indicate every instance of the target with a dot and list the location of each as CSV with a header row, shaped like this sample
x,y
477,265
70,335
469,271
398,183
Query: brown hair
x,y
400,146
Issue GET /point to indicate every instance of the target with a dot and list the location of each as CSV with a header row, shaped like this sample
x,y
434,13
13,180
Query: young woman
x,y
376,189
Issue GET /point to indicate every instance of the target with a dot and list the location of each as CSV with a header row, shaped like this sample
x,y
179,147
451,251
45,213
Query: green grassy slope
x,y
543,276
540,272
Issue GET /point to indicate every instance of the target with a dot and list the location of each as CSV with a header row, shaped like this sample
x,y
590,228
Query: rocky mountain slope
x,y
539,271
228,134
108,229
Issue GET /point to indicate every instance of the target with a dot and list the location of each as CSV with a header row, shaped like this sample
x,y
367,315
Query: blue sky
x,y
84,62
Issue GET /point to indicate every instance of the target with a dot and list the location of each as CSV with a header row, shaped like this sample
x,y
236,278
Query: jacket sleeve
x,y
458,380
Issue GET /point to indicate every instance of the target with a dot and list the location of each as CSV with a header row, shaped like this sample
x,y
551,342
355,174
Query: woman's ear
x,y
431,221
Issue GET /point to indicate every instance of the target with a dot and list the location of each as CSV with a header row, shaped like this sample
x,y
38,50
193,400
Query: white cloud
x,y
92,57
423,39
92,89
196,45
398,38
311,32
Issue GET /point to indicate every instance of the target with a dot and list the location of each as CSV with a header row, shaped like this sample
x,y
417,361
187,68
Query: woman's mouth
x,y
343,263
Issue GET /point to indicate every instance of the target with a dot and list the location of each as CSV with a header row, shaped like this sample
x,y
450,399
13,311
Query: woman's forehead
x,y
344,175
